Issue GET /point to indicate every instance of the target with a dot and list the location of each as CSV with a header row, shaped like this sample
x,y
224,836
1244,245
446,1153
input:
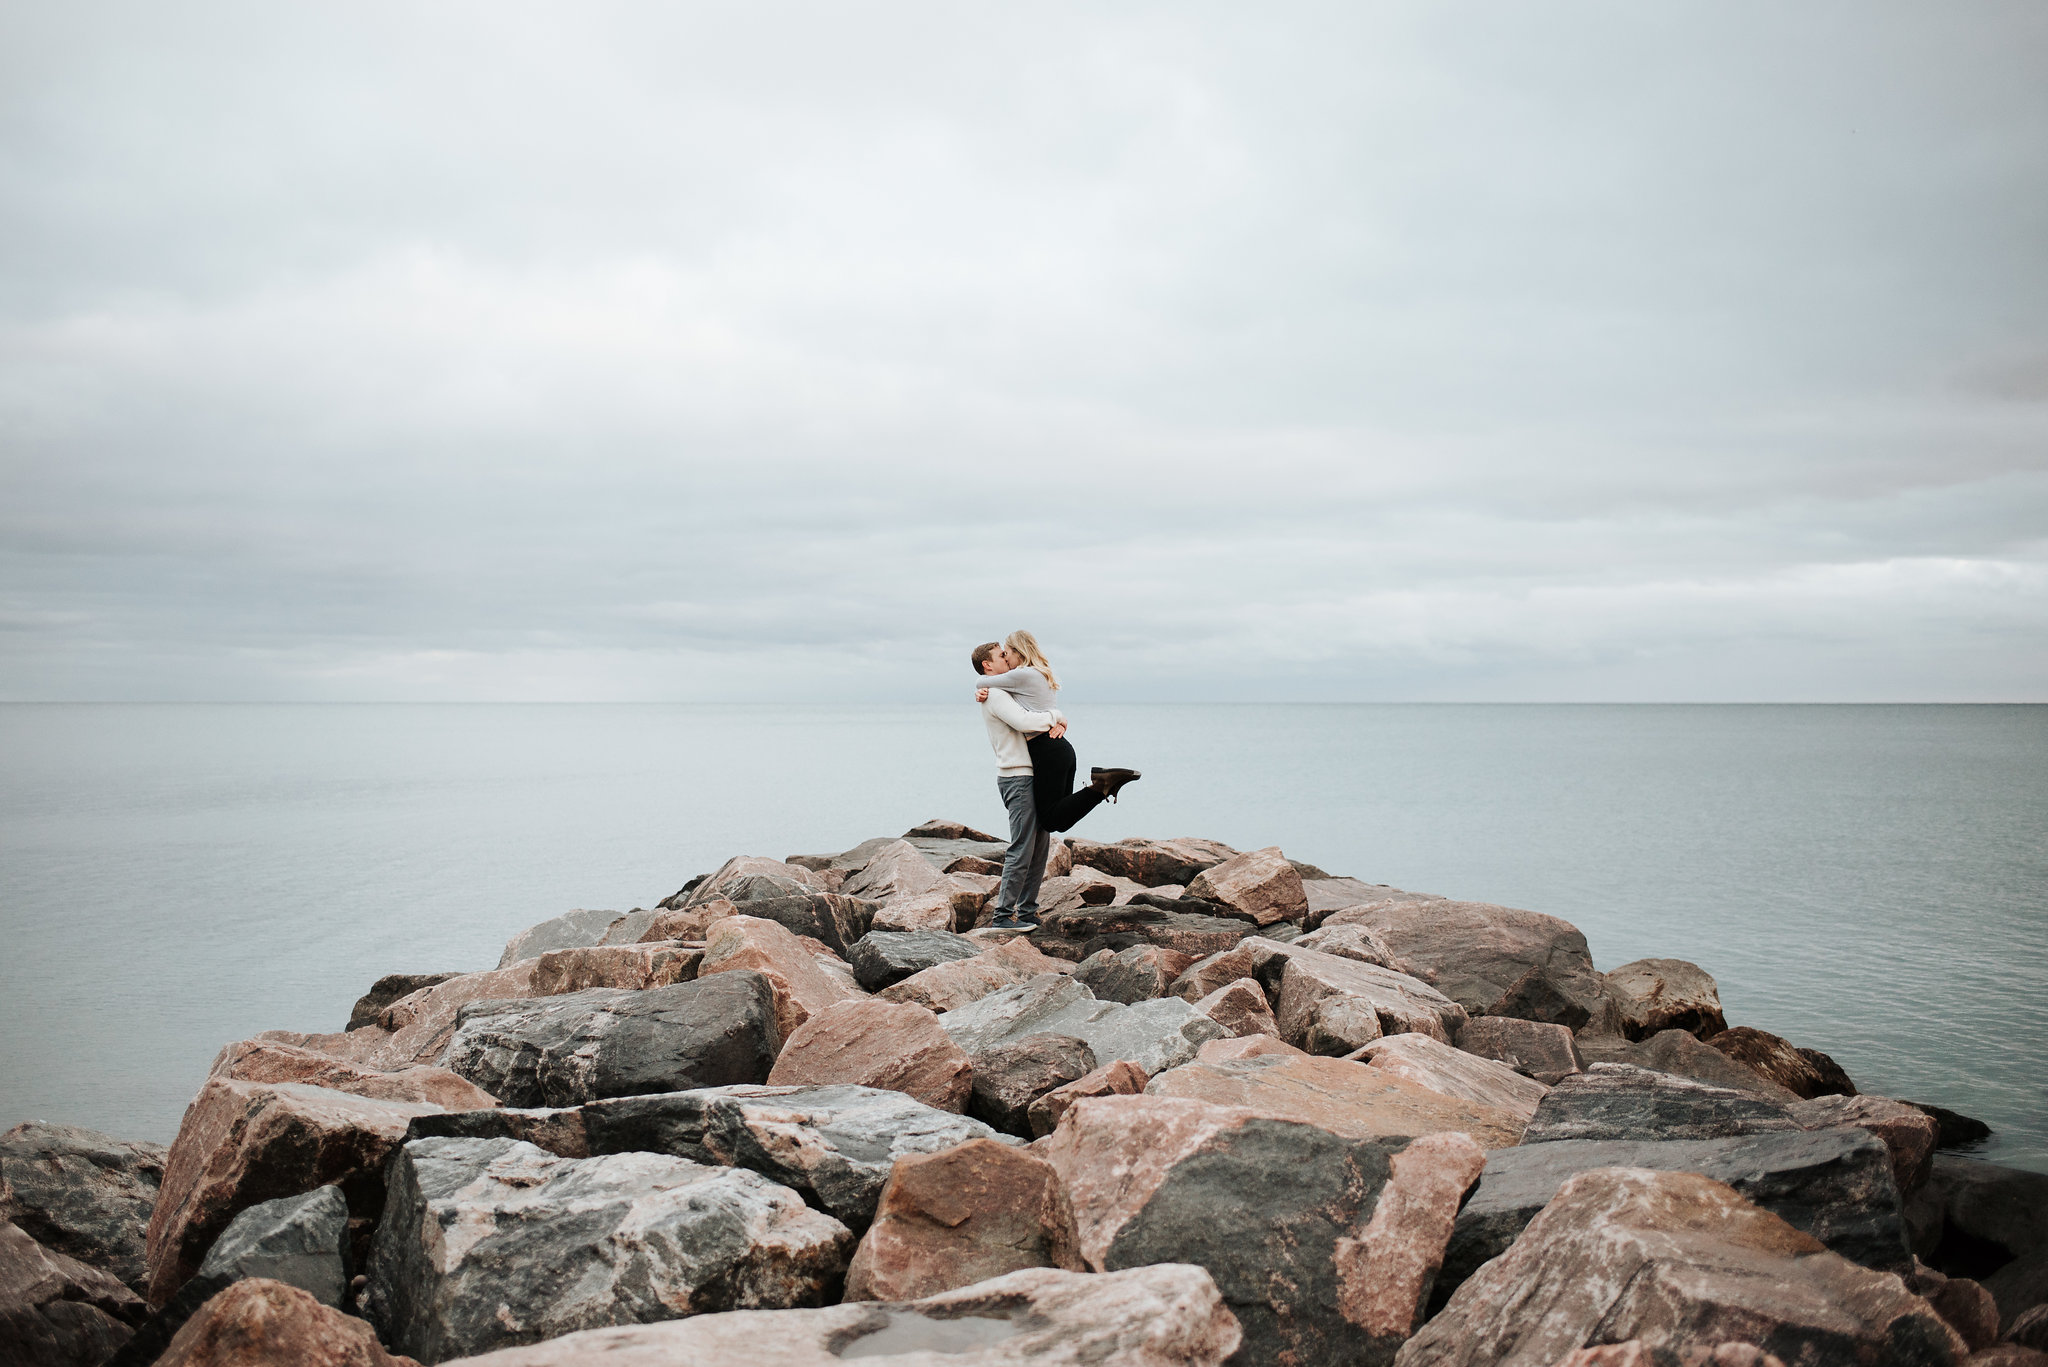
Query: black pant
x,y
1052,784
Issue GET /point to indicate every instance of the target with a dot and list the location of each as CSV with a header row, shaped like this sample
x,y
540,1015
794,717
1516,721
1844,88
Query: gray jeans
x,y
1024,864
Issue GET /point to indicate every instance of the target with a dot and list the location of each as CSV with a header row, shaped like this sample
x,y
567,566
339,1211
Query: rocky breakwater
x,y
1221,1107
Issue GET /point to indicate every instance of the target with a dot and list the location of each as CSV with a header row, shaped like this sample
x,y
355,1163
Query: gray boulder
x,y
558,1129
488,1243
834,1143
1621,1101
1833,1184
301,1240
1136,974
1667,994
1039,1317
1992,1212
2021,1287
570,930
604,1042
1681,1054
1496,961
883,958
1009,1077
1186,924
82,1194
1154,1035
836,921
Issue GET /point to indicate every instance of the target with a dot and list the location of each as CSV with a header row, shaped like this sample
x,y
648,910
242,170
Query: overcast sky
x,y
1293,351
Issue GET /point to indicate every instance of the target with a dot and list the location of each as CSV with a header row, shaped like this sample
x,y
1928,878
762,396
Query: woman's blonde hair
x,y
1024,646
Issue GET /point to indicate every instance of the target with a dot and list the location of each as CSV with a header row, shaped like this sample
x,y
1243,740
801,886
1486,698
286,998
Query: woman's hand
x,y
1059,728
981,695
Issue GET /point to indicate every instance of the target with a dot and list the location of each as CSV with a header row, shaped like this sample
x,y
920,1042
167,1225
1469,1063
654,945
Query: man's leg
x,y
1025,840
1041,850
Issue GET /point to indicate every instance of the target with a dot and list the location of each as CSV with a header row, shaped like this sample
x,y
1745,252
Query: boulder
x,y
54,1310
2020,1289
1186,924
926,911
835,1144
1137,974
487,1243
1636,1353
1346,1098
831,919
1806,1073
558,1129
1534,1049
1168,1316
942,829
1152,862
1259,883
1680,1053
82,1194
742,867
2002,1211
2009,1355
1239,1006
1121,1078
1329,896
1350,942
262,1323
884,958
387,990
800,986
1322,1251
2029,1329
1832,1184
1966,1306
961,1216
1907,1131
845,862
1619,1101
602,1042
1953,1129
242,1143
1324,1003
568,931
1667,994
1155,1035
1497,961
1246,1046
1678,1261
893,1045
897,870
265,1061
974,895
955,983
415,1028
634,967
1453,1072
302,1241
1010,1077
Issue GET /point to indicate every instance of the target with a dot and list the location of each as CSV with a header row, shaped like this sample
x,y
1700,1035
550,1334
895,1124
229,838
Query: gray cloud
x,y
1321,351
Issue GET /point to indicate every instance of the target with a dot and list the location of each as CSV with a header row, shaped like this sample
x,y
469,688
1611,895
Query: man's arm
x,y
1019,718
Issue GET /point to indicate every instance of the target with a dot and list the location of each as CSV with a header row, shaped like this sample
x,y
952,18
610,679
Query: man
x,y
1009,724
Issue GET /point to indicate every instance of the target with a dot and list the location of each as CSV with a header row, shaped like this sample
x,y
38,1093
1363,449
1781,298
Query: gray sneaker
x,y
1006,920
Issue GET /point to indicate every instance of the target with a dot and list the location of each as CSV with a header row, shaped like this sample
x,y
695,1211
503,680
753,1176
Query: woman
x,y
1032,683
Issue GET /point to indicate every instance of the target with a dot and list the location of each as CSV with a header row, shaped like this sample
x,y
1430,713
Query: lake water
x,y
1869,881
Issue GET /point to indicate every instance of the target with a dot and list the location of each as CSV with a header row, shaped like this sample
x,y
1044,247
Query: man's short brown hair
x,y
983,651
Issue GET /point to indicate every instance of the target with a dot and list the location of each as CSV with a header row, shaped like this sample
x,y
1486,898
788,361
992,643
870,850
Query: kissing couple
x,y
1034,767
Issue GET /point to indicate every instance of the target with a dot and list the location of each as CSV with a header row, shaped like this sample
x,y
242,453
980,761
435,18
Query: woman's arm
x,y
1023,676
1017,717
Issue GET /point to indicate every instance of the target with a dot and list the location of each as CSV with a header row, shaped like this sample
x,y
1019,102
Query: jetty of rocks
x,y
1220,1107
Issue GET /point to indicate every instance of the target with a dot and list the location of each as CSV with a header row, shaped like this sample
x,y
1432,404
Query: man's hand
x,y
1059,728
981,695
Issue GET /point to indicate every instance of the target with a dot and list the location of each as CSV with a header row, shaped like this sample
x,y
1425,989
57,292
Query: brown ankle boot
x,y
1110,782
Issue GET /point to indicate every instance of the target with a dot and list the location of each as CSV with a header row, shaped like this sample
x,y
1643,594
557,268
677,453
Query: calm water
x,y
1870,881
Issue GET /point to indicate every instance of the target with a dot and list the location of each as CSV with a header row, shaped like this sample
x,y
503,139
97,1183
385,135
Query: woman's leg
x,y
1059,806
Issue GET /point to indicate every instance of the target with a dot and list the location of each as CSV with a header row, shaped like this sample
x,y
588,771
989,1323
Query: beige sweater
x,y
1008,725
